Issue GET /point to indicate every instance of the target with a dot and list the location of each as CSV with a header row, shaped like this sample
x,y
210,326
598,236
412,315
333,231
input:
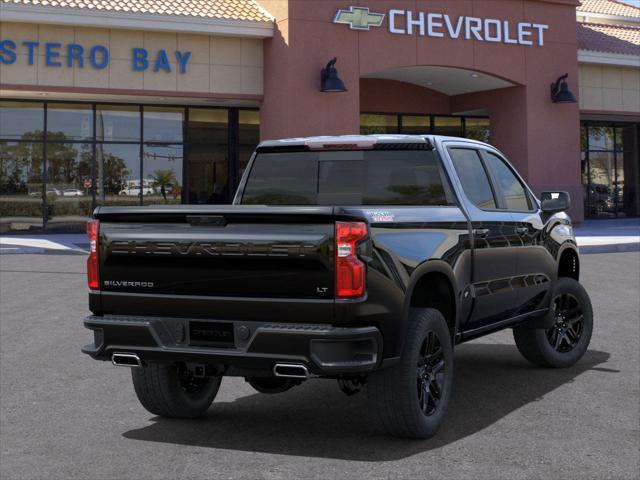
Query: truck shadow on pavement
x,y
317,420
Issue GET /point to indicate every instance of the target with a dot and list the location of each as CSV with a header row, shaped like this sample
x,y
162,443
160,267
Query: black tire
x,y
170,391
566,342
395,395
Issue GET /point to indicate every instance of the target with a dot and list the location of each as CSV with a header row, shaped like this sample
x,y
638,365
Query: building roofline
x,y
607,16
606,58
136,21
611,16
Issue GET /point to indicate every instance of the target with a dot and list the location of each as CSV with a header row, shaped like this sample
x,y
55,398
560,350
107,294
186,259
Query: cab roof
x,y
363,141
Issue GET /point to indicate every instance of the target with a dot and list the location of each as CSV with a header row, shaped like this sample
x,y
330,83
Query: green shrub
x,y
61,207
28,206
20,206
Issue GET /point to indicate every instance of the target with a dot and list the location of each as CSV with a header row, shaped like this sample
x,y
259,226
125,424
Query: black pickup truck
x,y
358,258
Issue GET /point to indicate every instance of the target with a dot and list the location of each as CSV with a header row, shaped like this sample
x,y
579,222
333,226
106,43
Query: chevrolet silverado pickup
x,y
363,259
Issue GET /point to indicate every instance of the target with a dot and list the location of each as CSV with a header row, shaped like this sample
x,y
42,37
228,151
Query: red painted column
x,y
293,103
540,138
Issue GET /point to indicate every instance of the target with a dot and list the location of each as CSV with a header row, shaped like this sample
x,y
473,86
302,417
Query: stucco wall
x,y
378,95
609,88
224,65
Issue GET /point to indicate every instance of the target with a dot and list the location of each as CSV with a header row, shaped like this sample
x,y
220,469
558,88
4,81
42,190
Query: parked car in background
x,y
50,191
72,192
134,190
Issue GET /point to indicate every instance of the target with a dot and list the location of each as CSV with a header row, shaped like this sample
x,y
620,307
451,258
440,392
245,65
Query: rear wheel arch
x,y
433,286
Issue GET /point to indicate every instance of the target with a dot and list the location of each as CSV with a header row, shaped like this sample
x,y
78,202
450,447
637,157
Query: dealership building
x,y
129,102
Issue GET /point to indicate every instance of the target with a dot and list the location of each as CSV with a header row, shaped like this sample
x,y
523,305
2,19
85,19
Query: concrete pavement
x,y
63,415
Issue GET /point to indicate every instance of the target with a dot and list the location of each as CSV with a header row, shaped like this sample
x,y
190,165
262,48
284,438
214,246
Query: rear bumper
x,y
256,346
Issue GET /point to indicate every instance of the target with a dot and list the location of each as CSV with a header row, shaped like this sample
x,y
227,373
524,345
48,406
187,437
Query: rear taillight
x,y
93,232
350,270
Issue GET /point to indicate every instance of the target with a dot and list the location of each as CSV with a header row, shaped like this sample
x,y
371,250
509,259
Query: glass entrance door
x,y
220,144
208,155
610,165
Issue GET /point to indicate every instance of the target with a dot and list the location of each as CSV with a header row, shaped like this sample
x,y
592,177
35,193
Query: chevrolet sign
x,y
359,18
440,25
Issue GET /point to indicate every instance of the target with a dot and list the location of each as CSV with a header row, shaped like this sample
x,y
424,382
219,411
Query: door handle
x,y
522,231
481,232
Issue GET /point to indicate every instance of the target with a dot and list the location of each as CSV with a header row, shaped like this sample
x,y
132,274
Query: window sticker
x,y
379,216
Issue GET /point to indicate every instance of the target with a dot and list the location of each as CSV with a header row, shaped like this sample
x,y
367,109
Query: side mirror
x,y
554,202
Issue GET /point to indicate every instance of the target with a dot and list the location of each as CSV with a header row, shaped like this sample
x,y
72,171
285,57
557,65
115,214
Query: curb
x,y
620,248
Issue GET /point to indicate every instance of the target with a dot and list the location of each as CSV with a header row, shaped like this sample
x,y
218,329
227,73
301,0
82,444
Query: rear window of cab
x,y
370,177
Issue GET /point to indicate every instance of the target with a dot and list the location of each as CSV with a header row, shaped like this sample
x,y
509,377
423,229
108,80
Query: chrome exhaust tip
x,y
126,360
290,370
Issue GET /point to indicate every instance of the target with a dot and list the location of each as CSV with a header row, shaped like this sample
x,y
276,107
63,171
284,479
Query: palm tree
x,y
163,178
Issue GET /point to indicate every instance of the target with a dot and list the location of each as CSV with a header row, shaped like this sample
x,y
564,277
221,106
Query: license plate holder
x,y
211,334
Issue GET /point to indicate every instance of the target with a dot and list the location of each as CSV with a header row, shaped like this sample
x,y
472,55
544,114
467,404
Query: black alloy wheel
x,y
569,323
410,398
567,340
430,374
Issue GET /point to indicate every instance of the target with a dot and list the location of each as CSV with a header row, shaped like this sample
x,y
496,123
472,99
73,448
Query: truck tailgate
x,y
233,251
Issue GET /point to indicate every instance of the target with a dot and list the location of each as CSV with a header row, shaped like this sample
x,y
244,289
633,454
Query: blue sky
x,y
632,2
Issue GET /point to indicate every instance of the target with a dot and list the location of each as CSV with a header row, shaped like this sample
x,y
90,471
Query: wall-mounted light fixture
x,y
560,92
329,80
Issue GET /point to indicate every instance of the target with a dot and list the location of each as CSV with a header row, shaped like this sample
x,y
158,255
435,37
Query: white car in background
x,y
72,192
135,190
50,191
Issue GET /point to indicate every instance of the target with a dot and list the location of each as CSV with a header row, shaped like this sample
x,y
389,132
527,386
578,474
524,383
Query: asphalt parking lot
x,y
64,415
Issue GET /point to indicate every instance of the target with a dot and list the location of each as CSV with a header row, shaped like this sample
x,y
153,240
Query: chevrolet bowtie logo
x,y
359,18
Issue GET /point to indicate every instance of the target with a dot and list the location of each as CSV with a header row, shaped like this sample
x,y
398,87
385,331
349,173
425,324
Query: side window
x,y
510,189
473,177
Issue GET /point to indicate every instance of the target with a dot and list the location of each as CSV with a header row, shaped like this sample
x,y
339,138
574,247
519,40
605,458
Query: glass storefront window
x,y
118,174
68,121
477,129
21,186
375,124
208,125
601,138
163,124
248,137
584,143
208,156
629,169
118,123
69,176
602,184
162,174
620,184
21,120
107,154
208,174
69,166
416,124
584,172
450,126
610,166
